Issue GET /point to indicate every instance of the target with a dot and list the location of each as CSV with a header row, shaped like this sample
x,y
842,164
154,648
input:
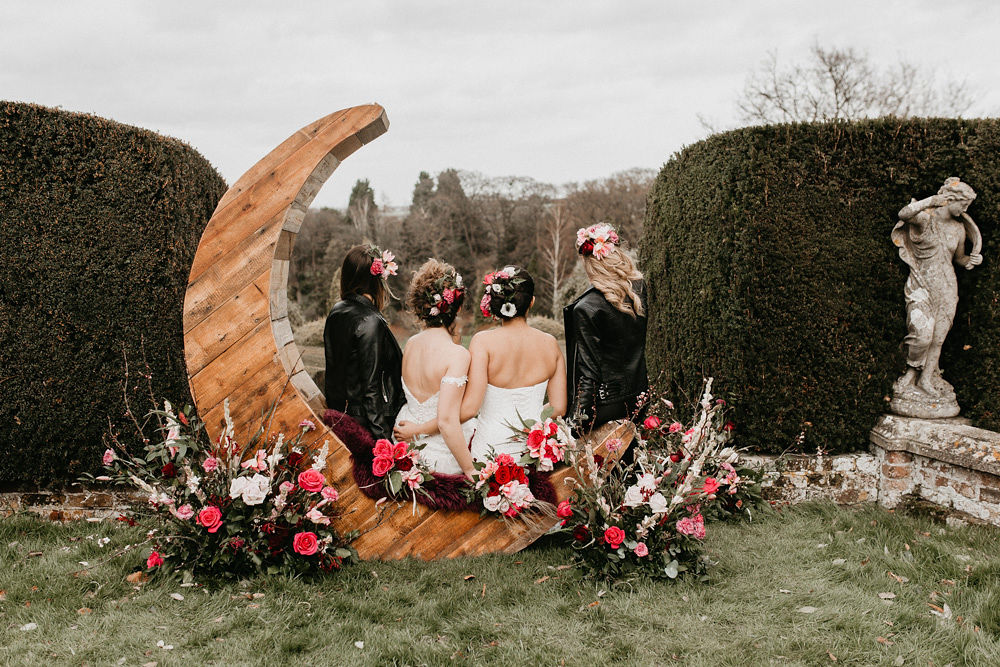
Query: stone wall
x,y
75,503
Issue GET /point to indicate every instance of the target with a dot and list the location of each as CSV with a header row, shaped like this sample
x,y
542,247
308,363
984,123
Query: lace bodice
x,y
435,452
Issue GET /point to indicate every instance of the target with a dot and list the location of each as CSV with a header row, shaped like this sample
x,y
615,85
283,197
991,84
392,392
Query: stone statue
x,y
931,234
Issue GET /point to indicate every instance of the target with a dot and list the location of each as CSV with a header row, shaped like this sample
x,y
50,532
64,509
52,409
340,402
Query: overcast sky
x,y
559,91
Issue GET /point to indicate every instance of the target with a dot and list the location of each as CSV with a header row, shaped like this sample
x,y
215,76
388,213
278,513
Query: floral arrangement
x,y
499,287
546,442
648,516
230,510
446,294
597,240
502,484
383,262
400,468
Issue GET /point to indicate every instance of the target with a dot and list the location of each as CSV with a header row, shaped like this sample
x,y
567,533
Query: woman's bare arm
x,y
475,390
449,413
557,384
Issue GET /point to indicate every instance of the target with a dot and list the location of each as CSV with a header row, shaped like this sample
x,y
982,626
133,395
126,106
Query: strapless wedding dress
x,y
501,409
435,452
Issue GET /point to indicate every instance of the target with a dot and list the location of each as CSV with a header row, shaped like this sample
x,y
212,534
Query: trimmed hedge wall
x,y
770,267
99,225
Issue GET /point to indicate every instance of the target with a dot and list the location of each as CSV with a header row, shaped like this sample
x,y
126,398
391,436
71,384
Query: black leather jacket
x,y
363,365
606,359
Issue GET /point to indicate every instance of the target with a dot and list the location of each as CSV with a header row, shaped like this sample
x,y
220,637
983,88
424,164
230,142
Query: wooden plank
x,y
227,324
224,375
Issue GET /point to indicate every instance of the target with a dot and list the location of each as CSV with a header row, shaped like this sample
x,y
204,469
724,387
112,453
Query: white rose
x,y
253,490
633,497
510,270
458,280
646,482
508,310
657,503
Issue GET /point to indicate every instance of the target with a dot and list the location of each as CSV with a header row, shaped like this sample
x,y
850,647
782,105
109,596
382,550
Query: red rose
x,y
305,543
382,448
564,510
651,422
154,560
614,536
312,480
676,457
404,464
711,485
502,475
581,533
381,465
553,429
294,459
536,438
169,470
520,476
729,426
210,517
587,247
494,488
399,451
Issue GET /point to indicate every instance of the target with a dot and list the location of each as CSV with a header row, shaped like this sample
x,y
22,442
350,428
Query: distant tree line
x,y
473,221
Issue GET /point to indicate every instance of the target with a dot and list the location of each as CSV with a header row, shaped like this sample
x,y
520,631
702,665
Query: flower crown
x,y
443,296
383,262
501,285
597,240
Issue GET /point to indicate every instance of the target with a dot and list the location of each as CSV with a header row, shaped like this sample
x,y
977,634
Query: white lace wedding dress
x,y
435,451
500,410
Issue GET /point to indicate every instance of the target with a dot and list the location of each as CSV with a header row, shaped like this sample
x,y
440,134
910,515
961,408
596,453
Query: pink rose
x,y
695,527
154,560
210,464
641,550
381,465
564,510
211,518
184,512
505,460
376,269
305,543
330,494
109,457
711,485
651,422
399,451
312,480
286,487
614,536
675,427
318,517
383,448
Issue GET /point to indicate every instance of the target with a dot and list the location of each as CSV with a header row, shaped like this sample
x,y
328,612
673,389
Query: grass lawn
x,y
806,585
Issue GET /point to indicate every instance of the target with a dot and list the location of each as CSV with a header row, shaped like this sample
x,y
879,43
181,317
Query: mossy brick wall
x,y
99,223
770,268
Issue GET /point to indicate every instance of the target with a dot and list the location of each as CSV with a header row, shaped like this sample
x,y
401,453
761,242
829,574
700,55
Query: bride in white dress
x,y
513,367
435,373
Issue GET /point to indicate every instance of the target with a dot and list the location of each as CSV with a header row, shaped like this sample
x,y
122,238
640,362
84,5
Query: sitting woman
x,y
362,356
435,372
606,334
513,367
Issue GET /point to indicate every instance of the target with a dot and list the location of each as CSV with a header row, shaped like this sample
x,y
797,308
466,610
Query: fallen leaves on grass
x,y
887,596
542,579
468,577
139,577
83,611
898,578
177,596
807,610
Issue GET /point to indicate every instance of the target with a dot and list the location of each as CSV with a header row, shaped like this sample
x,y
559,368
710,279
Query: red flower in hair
x,y
587,247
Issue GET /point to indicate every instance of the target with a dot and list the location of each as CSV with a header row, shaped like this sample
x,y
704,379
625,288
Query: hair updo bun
x,y
436,294
508,293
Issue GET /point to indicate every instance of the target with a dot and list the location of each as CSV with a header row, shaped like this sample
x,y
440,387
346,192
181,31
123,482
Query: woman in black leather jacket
x,y
606,334
363,359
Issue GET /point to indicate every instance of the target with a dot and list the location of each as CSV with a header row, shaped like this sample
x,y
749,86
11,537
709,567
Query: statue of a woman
x,y
931,235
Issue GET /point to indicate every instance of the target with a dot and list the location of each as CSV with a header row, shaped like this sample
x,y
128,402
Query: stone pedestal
x,y
945,461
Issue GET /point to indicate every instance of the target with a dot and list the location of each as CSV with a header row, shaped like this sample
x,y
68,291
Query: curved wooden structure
x,y
238,341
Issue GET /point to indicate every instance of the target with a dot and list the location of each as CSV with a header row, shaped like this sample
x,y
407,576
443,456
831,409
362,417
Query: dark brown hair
x,y
356,276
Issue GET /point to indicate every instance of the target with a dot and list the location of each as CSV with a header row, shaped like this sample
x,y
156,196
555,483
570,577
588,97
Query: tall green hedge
x,y
770,267
99,223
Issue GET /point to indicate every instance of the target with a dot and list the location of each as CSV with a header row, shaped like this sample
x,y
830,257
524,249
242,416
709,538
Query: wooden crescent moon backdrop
x,y
238,340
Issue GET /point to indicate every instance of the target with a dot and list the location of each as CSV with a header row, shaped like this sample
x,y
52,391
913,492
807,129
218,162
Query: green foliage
x,y
770,268
549,325
100,222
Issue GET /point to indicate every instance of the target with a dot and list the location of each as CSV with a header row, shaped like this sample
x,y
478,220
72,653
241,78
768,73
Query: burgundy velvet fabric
x,y
444,492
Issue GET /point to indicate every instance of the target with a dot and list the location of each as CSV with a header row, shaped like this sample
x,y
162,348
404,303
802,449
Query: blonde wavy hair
x,y
614,276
